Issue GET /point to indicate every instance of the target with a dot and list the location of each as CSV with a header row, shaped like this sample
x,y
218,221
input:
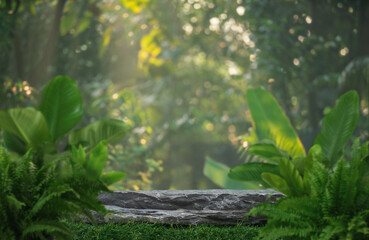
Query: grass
x,y
158,231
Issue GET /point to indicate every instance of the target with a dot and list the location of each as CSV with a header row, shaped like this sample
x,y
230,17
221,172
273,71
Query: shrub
x,y
41,185
327,190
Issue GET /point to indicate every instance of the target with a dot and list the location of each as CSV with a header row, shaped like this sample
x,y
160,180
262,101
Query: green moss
x,y
157,231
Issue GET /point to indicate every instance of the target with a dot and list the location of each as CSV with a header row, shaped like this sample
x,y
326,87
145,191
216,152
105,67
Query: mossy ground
x,y
145,231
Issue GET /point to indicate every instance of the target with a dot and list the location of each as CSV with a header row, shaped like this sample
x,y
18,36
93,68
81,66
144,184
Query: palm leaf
x,y
61,105
270,122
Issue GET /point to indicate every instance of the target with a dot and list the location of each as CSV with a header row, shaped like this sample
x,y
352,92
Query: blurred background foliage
x,y
177,71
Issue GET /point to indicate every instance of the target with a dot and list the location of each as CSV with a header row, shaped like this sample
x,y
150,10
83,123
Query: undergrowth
x,y
148,231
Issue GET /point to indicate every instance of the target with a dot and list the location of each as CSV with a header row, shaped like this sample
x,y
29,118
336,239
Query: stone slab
x,y
185,207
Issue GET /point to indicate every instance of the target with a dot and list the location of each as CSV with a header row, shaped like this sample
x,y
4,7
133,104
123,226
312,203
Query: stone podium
x,y
214,206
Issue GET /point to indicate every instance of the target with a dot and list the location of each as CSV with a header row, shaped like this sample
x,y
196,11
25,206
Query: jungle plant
x,y
59,111
44,185
36,197
327,190
285,165
337,207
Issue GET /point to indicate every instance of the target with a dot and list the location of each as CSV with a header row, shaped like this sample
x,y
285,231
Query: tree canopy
x,y
177,71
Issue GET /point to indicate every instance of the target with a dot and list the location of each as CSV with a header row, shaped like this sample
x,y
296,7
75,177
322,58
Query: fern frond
x,y
45,228
285,233
50,194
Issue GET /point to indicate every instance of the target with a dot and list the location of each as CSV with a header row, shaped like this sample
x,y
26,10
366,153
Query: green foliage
x,y
43,186
28,124
326,198
110,130
97,160
337,208
252,172
35,197
194,60
147,231
60,110
338,126
217,172
271,123
61,104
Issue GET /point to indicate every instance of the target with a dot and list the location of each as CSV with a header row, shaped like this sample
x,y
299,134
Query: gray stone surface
x,y
184,206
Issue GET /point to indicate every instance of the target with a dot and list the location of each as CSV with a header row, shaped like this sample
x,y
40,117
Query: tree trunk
x,y
39,75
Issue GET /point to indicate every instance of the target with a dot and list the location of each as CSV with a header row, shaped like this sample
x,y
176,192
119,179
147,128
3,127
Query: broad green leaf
x,y
267,151
338,126
13,143
28,124
112,177
217,172
61,105
270,122
292,177
109,130
252,172
277,183
96,162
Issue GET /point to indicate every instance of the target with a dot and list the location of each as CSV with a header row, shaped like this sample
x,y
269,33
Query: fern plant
x,y
34,199
327,190
285,164
337,208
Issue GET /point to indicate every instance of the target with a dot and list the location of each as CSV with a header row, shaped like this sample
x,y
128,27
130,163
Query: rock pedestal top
x,y
185,206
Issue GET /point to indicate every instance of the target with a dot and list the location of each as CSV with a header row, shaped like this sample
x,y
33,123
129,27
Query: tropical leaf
x,y
14,143
292,177
109,130
270,122
252,172
28,124
112,177
61,105
277,183
267,151
96,162
338,126
217,173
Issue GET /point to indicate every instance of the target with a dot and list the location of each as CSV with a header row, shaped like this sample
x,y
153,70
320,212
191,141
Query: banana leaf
x,y
270,122
61,105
